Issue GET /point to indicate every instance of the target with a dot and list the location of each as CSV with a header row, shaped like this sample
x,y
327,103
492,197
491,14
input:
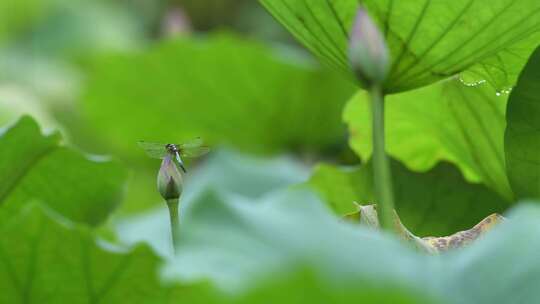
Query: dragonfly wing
x,y
152,149
194,151
193,148
196,142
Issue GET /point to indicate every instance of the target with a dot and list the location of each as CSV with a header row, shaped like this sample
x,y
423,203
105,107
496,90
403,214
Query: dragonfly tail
x,y
180,162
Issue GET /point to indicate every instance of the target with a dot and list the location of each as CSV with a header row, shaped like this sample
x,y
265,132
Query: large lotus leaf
x,y
233,242
522,137
429,40
447,121
36,166
438,202
222,88
43,260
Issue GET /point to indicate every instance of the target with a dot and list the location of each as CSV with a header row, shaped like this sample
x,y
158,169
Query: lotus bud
x,y
368,53
169,180
176,23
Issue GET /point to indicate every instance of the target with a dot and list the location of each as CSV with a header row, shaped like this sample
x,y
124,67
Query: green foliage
x,y
253,230
81,27
522,144
211,13
447,121
256,248
45,261
274,237
429,40
302,286
221,88
36,167
16,16
280,236
437,202
66,27
502,70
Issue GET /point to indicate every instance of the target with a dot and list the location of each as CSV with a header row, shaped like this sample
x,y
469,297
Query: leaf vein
x,y
456,50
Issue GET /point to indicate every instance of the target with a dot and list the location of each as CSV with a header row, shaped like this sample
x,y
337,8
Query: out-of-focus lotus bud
x,y
169,180
368,53
176,23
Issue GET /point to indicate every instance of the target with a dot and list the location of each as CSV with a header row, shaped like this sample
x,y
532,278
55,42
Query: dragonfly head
x,y
171,148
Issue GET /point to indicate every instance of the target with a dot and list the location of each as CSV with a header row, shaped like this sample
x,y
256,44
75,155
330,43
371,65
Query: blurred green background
x,y
110,73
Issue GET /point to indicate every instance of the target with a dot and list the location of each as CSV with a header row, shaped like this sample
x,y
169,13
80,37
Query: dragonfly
x,y
189,149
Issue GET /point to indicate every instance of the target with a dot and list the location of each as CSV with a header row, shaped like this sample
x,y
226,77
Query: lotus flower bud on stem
x,y
170,186
368,53
370,62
